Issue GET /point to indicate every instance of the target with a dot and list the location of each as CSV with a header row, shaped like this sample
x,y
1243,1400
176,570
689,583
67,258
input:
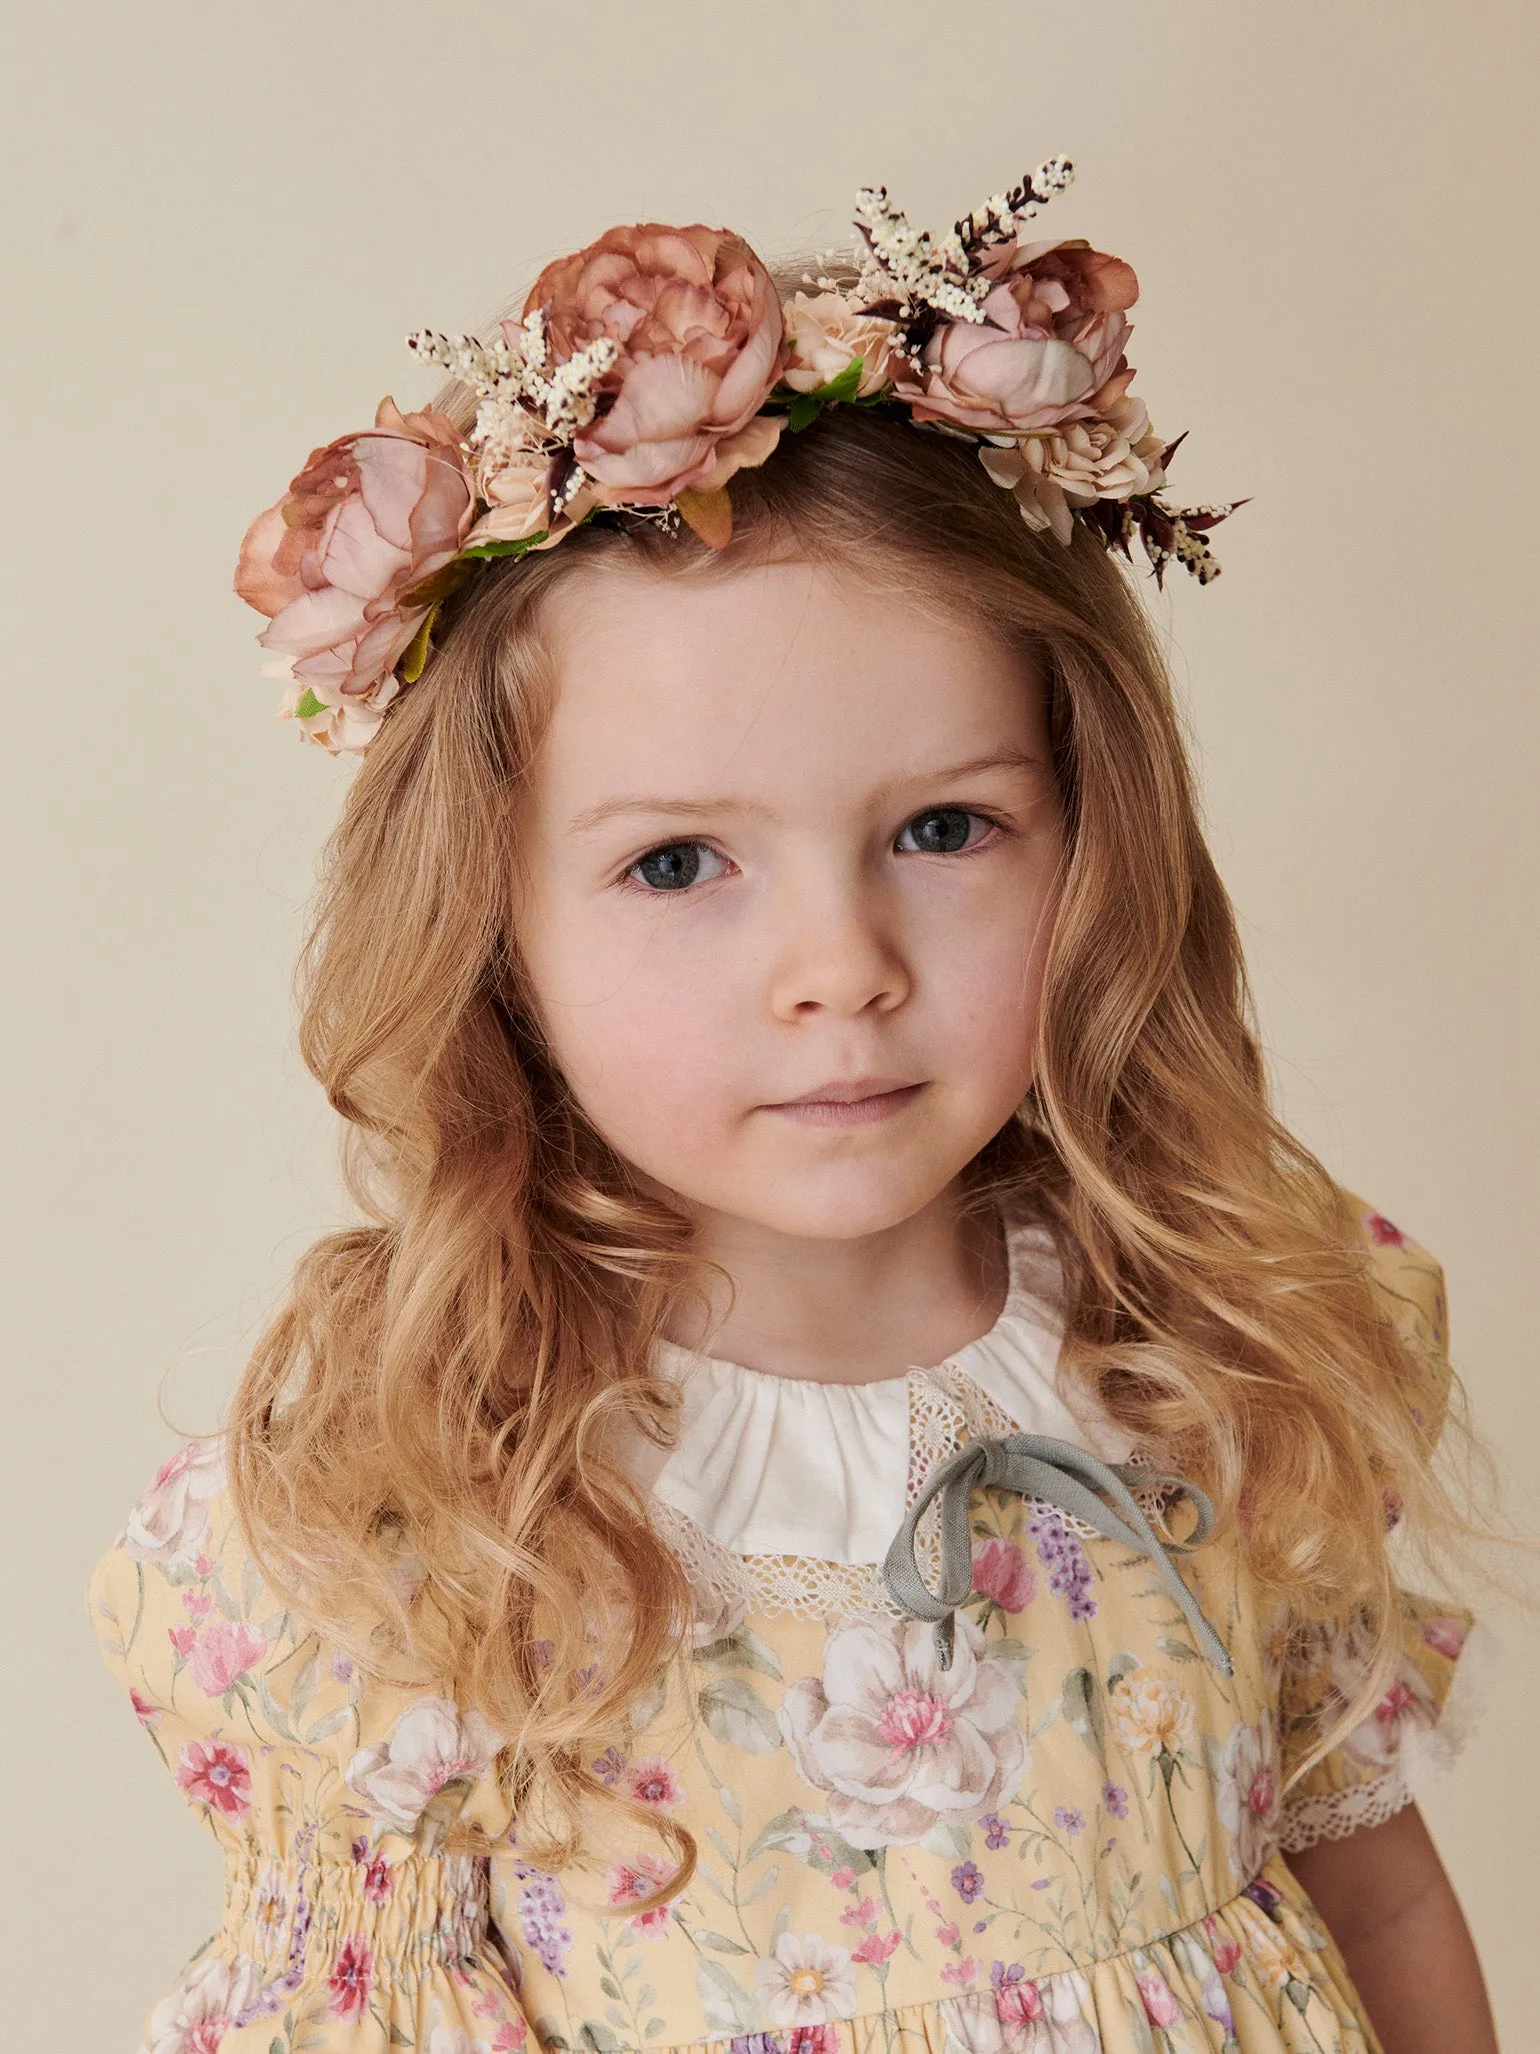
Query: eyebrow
x,y
691,809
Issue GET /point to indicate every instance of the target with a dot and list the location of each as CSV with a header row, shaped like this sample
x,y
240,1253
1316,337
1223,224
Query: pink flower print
x,y
961,1973
843,1878
967,1881
144,1711
171,1521
1160,2006
950,1935
812,2039
1226,1951
862,1914
204,1565
225,1652
913,1719
197,1604
1396,1700
639,1878
349,1984
510,2036
377,1880
1001,1574
874,1949
1383,1231
1018,2001
216,1774
653,1782
183,1639
1445,1636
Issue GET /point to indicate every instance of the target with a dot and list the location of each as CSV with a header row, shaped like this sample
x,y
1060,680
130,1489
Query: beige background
x,y
226,218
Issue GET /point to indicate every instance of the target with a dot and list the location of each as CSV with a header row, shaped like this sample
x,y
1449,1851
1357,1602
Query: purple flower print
x,y
997,1831
1264,1896
1069,1820
1115,1798
756,2043
967,1881
542,1919
1069,1572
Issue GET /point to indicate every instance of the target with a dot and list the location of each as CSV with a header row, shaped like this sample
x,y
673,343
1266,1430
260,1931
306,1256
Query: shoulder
x,y
1408,1283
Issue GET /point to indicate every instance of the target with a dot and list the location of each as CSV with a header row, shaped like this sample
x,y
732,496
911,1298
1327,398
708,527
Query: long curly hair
x,y
421,1446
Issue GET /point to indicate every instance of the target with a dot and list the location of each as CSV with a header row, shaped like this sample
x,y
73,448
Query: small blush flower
x,y
203,1565
610,1766
1445,1636
874,1949
842,1878
1160,2006
183,1640
862,1914
349,1984
216,1774
1115,1798
653,1782
144,1711
961,1973
1225,1951
949,1935
1002,1574
1385,1233
627,1881
197,1604
510,2036
377,1880
967,1881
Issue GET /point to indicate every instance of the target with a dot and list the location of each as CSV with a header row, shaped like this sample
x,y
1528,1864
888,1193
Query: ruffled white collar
x,y
772,1465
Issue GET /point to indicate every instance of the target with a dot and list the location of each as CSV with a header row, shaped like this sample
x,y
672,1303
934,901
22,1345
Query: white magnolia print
x,y
170,1523
898,1742
1247,1793
203,2007
431,1746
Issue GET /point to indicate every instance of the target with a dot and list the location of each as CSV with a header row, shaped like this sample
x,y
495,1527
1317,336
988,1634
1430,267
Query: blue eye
x,y
673,867
942,832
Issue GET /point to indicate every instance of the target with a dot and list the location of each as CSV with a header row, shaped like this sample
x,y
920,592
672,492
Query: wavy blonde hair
x,y
438,1389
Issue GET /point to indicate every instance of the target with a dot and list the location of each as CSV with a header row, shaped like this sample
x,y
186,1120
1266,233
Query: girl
x,y
839,1498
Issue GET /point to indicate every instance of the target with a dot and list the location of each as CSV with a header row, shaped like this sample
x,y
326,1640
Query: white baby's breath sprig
x,y
483,366
512,376
1000,216
902,262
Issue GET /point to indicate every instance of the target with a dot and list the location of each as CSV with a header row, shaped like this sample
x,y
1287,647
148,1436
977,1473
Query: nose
x,y
836,951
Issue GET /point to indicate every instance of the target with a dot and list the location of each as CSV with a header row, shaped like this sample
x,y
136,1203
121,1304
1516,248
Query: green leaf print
x,y
736,1714
1084,1710
728,2006
599,2038
952,1842
719,1943
810,1840
1179,1650
742,1650
1122,1665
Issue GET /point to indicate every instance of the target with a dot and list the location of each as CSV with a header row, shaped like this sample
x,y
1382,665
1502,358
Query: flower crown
x,y
651,366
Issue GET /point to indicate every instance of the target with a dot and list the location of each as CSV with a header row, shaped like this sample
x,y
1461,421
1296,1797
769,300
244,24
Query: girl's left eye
x,y
673,867
943,832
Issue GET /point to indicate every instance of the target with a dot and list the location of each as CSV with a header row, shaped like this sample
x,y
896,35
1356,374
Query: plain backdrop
x,y
221,223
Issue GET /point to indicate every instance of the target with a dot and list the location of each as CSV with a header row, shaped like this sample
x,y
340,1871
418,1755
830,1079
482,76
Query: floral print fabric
x,y
1067,1841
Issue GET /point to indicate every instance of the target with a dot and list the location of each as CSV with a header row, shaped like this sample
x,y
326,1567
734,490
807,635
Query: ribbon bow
x,y
1057,1473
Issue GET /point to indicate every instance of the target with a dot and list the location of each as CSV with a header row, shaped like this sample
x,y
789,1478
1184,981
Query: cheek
x,y
981,982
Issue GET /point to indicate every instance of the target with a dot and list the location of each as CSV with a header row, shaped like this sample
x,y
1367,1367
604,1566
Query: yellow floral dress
x,y
1068,1839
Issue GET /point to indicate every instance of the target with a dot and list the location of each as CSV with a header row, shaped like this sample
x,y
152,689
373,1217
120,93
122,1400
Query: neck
x,y
851,1311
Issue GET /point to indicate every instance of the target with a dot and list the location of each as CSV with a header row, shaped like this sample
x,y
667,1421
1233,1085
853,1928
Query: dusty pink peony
x,y
368,518
826,332
1049,349
224,1653
698,323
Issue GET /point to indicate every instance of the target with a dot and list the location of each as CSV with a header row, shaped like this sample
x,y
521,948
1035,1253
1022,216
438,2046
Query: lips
x,y
851,1091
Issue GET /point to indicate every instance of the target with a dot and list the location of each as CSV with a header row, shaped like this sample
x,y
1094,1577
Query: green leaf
x,y
951,1842
719,1943
1122,1665
845,385
742,1650
326,1726
803,412
275,2046
728,2006
307,709
735,1713
598,2038
609,1988
1179,1650
481,552
415,660
1083,1709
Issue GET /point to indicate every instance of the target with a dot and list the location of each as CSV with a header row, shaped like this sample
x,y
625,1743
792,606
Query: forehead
x,y
773,674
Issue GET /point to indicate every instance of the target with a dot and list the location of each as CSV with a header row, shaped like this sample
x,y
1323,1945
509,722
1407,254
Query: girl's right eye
x,y
673,867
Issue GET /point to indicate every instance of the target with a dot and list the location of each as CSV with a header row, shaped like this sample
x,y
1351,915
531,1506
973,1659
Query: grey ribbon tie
x,y
1057,1473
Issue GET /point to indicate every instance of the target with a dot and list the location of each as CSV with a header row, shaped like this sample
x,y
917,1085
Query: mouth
x,y
852,1102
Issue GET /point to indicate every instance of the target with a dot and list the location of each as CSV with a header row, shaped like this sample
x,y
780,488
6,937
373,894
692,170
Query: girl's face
x,y
787,838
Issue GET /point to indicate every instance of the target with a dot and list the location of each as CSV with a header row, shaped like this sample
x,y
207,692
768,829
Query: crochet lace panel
x,y
946,1409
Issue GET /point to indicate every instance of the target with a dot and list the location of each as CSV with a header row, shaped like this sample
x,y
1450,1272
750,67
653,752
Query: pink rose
x,y
826,333
1049,349
1000,1572
368,518
700,333
1445,1636
224,1653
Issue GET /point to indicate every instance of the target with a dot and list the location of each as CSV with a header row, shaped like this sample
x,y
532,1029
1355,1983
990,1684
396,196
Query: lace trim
x,y
1426,1753
946,1409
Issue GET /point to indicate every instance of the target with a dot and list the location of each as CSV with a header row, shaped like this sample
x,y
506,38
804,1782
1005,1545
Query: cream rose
x,y
1107,457
826,333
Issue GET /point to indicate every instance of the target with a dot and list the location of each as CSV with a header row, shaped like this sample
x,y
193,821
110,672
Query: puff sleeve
x,y
1422,1720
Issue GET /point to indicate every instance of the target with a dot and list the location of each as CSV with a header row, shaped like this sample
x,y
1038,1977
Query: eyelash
x,y
628,881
